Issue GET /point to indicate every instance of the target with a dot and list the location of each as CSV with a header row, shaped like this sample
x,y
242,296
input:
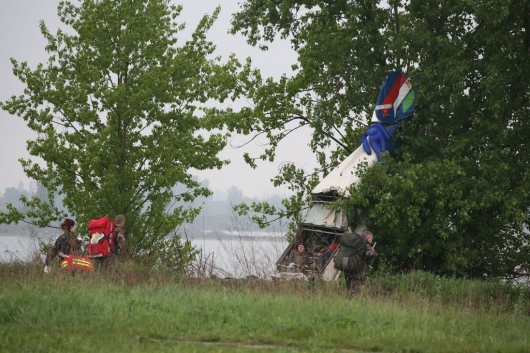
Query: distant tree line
x,y
215,213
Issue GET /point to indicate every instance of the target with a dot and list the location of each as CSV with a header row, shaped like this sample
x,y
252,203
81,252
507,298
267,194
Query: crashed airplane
x,y
322,227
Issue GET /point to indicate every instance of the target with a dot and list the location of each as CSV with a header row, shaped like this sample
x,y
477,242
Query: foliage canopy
x,y
119,114
455,199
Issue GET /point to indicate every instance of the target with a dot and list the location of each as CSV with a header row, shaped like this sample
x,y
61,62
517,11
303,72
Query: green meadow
x,y
140,310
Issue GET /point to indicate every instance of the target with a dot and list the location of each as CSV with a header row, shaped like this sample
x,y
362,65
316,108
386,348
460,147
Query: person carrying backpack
x,y
67,244
354,257
107,241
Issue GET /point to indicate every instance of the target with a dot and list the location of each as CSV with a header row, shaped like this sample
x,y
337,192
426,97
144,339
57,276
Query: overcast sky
x,y
21,39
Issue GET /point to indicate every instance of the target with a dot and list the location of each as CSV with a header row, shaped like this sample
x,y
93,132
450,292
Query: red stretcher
x,y
77,263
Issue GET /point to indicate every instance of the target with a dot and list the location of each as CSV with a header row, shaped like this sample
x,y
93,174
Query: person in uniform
x,y
354,258
298,259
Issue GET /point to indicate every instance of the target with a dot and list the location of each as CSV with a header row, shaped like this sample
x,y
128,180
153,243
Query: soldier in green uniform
x,y
299,258
354,257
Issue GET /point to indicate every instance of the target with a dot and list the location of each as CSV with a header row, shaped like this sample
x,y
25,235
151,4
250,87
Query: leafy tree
x,y
118,110
336,82
455,198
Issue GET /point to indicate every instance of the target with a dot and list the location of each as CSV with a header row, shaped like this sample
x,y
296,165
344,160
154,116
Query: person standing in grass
x,y
65,245
120,247
354,257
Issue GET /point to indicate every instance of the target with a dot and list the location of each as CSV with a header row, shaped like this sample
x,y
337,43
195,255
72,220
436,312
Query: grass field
x,y
159,311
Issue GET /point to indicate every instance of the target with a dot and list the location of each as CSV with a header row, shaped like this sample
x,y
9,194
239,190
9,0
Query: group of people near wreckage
x,y
68,243
354,258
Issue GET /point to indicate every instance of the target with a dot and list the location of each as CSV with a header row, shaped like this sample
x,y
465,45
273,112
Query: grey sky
x,y
21,39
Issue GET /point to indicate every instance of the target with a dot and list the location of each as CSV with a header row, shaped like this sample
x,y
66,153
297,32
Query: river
x,y
226,255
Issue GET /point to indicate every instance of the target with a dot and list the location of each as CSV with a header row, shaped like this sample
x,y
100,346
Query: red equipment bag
x,y
78,263
101,241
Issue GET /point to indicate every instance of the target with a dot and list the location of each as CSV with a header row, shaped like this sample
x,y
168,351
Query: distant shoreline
x,y
237,237
216,234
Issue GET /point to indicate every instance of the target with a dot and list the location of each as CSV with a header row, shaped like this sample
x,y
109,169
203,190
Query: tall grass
x,y
146,310
493,296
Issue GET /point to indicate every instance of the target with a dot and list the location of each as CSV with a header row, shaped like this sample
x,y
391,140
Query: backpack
x,y
101,243
350,254
347,263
